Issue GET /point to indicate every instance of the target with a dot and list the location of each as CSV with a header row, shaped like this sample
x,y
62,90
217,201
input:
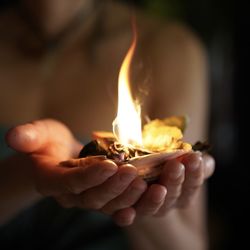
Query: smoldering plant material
x,y
162,141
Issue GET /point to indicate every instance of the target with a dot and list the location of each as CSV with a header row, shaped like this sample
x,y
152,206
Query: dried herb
x,y
91,149
112,150
201,146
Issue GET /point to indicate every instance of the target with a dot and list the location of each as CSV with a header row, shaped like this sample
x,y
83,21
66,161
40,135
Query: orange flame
x,y
127,124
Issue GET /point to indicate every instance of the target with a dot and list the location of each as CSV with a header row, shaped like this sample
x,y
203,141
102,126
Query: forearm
x,y
17,189
179,229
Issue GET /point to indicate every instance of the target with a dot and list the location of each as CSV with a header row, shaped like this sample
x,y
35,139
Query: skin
x,y
52,17
160,216
99,184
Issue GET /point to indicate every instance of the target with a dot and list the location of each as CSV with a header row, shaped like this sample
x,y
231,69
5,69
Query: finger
x,y
88,174
128,198
54,179
172,178
43,136
151,200
209,165
124,217
26,138
194,178
99,196
82,162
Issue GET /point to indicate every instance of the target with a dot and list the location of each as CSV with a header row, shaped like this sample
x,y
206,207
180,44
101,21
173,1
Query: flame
x,y
127,125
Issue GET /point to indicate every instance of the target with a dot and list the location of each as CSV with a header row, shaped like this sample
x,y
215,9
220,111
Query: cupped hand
x,y
99,184
179,182
89,183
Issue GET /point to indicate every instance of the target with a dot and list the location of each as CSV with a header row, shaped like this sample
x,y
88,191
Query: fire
x,y
127,125
157,135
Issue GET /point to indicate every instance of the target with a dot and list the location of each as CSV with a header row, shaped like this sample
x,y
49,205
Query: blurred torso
x,y
75,79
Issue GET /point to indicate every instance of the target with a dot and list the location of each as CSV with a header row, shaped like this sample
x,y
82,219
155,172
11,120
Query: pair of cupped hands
x,y
98,183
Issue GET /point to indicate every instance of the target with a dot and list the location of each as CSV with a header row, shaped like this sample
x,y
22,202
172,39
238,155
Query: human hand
x,y
178,184
97,183
90,183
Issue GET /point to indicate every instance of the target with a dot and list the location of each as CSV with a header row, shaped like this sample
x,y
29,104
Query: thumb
x,y
27,138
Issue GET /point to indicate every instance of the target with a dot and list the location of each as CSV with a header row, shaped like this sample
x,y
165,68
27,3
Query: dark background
x,y
223,27
225,37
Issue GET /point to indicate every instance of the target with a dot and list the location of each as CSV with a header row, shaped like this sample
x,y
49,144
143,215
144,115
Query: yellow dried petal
x,y
158,136
165,135
186,146
177,121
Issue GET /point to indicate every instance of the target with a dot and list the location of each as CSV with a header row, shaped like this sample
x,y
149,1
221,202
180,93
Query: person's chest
x,y
77,85
67,87
83,95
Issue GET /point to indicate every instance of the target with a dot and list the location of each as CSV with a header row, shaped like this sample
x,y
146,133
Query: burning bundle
x,y
161,141
147,148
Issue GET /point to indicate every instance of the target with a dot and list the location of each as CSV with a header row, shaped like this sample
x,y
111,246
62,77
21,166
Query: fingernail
x,y
177,173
